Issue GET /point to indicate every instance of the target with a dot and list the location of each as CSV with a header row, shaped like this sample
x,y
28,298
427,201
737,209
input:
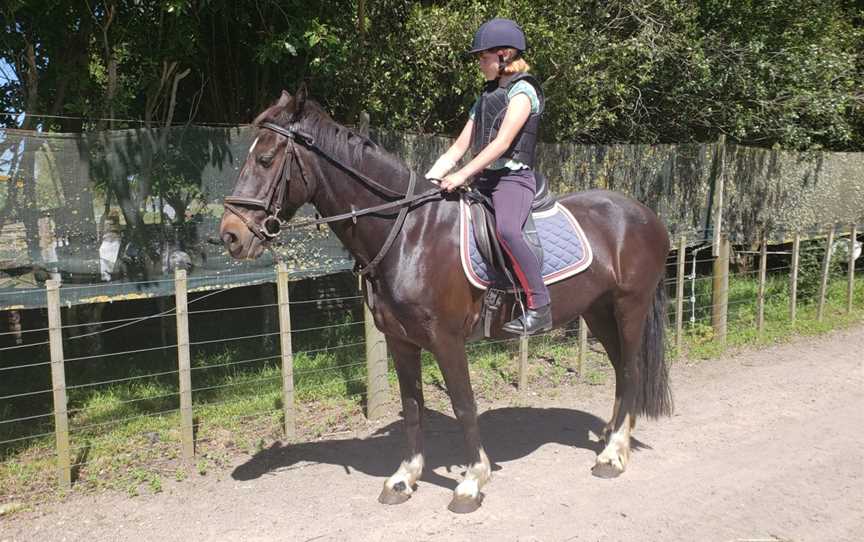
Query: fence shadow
x,y
508,433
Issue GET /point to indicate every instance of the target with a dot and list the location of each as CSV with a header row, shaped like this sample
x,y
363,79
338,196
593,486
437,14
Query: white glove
x,y
441,168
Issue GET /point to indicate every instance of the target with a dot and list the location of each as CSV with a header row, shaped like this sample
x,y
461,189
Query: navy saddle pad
x,y
565,248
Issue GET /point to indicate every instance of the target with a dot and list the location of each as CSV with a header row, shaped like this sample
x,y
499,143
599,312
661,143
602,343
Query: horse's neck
x,y
340,192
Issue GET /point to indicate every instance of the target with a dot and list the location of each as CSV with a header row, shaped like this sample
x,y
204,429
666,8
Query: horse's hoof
x,y
465,505
606,470
389,496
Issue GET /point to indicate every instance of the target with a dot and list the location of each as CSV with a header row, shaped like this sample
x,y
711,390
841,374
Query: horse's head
x,y
272,184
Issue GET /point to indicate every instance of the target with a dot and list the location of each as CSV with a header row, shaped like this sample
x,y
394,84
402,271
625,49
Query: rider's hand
x,y
453,181
441,167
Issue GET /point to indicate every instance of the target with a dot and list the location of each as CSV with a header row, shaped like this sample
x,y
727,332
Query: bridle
x,y
271,204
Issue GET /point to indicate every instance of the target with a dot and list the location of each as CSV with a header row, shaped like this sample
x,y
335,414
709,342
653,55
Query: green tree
x,y
769,72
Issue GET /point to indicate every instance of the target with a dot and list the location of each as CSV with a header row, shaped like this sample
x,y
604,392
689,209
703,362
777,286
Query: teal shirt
x,y
521,87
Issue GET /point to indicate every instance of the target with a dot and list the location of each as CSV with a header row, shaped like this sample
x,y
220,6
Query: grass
x,y
778,326
126,437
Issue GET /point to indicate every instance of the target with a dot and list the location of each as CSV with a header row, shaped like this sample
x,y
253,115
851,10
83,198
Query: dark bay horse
x,y
417,290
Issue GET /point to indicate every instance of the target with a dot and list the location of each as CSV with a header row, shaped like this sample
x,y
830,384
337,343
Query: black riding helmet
x,y
498,33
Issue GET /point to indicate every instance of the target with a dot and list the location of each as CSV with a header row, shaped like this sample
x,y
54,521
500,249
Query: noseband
x,y
272,224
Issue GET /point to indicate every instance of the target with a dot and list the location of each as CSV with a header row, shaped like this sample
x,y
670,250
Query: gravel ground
x,y
764,445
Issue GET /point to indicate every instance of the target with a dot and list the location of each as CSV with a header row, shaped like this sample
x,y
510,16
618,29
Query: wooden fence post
x,y
763,264
720,297
717,203
679,296
286,351
377,388
523,362
187,431
826,267
583,345
850,291
793,278
58,384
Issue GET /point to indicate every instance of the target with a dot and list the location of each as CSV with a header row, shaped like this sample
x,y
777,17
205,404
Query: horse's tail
x,y
654,398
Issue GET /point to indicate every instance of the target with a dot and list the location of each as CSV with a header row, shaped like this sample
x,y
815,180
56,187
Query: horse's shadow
x,y
508,434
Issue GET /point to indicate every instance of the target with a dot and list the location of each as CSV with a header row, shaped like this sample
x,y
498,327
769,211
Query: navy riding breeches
x,y
512,193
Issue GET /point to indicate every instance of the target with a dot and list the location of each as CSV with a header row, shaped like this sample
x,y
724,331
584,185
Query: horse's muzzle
x,y
238,240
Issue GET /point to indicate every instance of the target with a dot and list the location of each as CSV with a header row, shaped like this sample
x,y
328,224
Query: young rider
x,y
502,132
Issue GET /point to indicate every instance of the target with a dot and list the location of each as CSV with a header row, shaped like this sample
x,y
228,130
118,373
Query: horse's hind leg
x,y
601,319
399,487
630,313
454,366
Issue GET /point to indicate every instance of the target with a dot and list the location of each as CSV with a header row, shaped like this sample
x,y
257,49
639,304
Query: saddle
x,y
483,218
552,232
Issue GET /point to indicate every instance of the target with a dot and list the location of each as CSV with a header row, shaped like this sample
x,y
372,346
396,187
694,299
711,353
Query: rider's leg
x,y
512,199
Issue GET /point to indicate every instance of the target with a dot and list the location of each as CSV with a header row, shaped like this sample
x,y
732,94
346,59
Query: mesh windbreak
x,y
762,189
120,210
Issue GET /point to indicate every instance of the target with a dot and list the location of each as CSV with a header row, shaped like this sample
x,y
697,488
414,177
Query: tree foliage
x,y
767,72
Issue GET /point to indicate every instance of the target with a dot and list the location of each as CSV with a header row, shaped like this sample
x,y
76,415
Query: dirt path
x,y
765,445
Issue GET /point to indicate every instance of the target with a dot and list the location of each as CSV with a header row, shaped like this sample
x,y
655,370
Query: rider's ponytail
x,y
517,64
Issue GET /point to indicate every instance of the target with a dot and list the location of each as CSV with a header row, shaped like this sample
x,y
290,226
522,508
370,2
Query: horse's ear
x,y
300,98
284,99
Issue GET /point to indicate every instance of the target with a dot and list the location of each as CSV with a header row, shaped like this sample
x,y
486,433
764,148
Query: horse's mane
x,y
335,139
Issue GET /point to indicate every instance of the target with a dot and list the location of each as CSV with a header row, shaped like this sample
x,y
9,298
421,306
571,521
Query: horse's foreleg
x,y
630,316
399,487
454,366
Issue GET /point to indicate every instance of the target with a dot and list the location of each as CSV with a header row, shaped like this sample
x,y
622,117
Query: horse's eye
x,y
265,159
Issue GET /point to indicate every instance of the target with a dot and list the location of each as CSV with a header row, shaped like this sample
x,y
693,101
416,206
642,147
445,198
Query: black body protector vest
x,y
490,113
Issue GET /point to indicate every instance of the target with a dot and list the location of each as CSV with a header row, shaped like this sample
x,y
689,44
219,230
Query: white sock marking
x,y
409,472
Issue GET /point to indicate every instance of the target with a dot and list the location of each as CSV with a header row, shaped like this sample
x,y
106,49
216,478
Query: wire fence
x,y
179,375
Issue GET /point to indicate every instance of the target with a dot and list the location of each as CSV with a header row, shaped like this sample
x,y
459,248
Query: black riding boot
x,y
533,321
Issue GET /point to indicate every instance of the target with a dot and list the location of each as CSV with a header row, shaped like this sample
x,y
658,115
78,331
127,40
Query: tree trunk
x,y
111,65
26,174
